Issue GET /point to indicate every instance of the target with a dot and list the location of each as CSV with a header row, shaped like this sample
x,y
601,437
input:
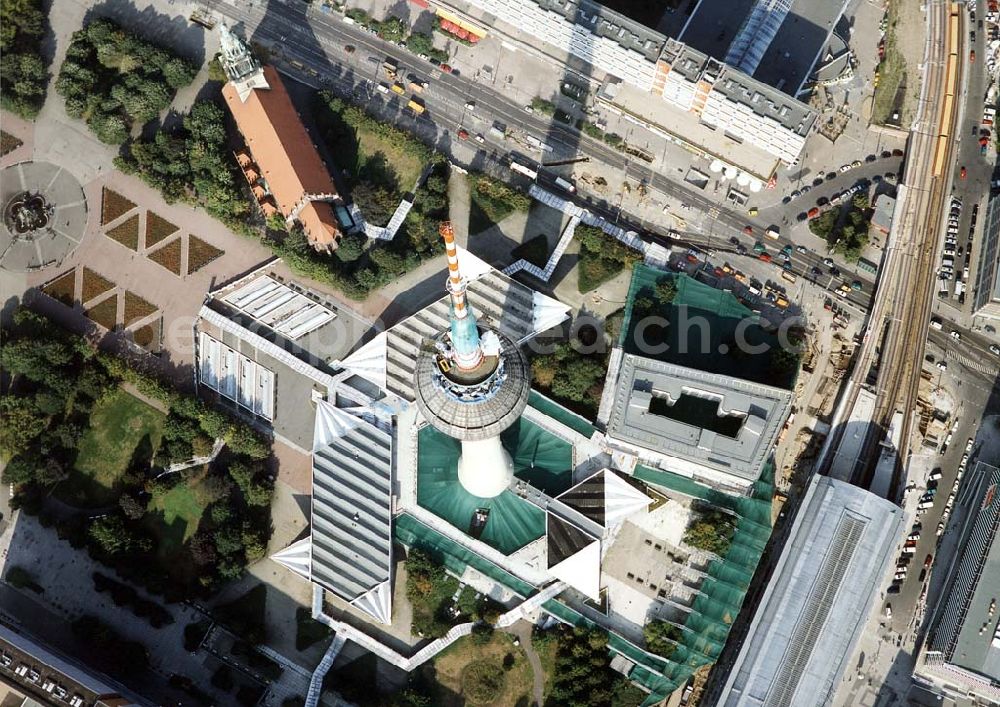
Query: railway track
x,y
900,311
908,307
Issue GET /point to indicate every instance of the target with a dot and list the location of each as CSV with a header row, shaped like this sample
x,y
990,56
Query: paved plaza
x,y
58,198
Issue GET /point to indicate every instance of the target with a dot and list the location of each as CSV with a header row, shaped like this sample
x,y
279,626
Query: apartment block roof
x,y
289,161
757,411
732,84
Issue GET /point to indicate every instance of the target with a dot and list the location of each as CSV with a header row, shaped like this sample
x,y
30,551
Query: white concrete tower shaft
x,y
485,469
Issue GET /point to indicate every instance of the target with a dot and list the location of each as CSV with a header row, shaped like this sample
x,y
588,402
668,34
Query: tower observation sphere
x,y
472,383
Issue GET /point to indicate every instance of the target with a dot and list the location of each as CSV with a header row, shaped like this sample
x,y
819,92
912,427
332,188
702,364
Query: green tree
x,y
276,223
376,202
543,106
21,470
420,43
392,29
711,530
351,247
20,425
576,377
23,75
113,537
131,506
20,18
662,637
244,440
665,291
215,70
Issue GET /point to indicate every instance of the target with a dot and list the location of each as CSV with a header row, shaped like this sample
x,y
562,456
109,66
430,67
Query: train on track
x,y
950,90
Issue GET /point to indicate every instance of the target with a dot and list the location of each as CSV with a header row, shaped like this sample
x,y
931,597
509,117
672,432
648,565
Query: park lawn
x,y
593,270
491,201
406,165
891,70
547,656
445,673
179,512
118,423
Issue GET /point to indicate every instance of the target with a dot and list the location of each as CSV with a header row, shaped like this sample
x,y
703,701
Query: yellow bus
x,y
785,275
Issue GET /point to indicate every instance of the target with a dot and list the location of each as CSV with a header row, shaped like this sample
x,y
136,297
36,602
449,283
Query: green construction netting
x,y
560,414
412,533
540,458
705,332
721,593
545,461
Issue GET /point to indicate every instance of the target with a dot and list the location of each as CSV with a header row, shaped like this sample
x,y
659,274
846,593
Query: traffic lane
x,y
514,115
439,106
977,351
808,260
498,108
906,601
842,182
859,299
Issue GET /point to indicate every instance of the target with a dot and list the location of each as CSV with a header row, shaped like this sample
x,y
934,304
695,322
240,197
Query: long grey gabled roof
x,y
818,600
351,521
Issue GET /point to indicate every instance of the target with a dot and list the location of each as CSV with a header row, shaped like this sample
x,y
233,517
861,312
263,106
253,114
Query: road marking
x,y
975,365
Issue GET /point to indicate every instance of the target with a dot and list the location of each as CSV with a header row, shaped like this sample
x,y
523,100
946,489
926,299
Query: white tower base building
x,y
485,469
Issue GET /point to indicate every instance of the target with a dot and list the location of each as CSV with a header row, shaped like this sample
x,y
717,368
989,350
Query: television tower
x,y
471,383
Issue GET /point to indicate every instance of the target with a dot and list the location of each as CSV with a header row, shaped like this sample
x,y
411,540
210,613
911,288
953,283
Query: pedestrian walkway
x,y
975,364
316,681
577,215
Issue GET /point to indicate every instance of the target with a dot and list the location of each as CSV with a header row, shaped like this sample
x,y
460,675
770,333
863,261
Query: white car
x,y
529,109
480,139
470,106
956,335
942,365
995,350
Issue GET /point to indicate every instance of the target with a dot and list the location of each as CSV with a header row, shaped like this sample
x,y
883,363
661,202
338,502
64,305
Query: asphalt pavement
x,y
317,40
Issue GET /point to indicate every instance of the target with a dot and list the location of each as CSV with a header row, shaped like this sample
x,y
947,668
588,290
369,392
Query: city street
x,y
316,40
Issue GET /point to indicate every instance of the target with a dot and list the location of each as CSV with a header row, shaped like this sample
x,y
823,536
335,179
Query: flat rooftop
x,y
818,600
723,423
711,31
680,124
264,345
300,320
967,634
799,42
789,58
